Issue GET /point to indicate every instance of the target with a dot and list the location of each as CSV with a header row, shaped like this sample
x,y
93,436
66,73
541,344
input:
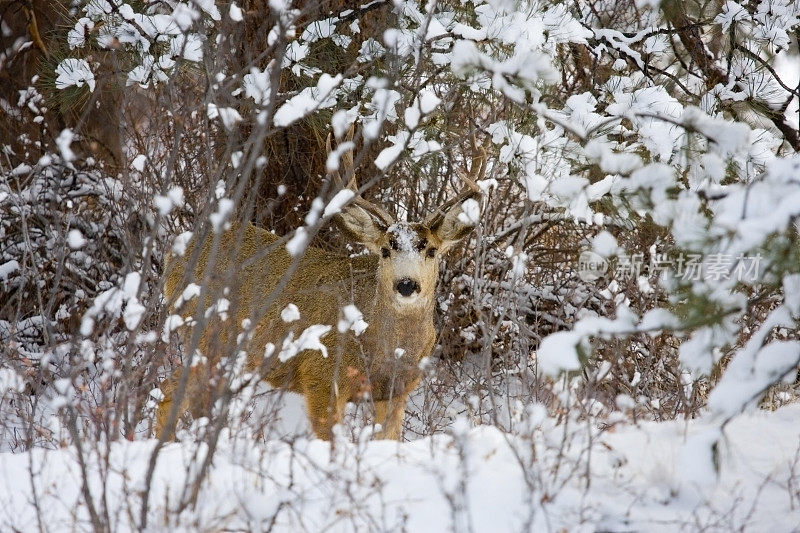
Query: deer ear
x,y
455,223
360,225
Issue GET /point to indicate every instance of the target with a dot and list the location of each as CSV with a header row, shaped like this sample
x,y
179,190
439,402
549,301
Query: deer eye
x,y
385,252
393,244
431,252
422,244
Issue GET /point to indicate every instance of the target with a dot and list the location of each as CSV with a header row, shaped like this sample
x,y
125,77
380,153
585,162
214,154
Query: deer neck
x,y
409,328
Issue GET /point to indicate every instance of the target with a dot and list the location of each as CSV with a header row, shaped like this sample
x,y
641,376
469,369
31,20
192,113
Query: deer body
x,y
381,364
393,287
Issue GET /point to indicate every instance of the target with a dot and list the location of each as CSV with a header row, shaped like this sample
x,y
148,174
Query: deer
x,y
393,288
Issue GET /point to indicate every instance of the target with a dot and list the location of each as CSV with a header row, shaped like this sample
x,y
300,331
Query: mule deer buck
x,y
393,287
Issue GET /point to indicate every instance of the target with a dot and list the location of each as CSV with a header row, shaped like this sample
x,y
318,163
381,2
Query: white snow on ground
x,y
485,479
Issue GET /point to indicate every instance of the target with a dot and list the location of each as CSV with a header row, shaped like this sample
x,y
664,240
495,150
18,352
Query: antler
x,y
346,159
471,189
373,210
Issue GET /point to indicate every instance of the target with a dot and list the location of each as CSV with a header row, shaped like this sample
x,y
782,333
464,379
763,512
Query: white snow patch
x,y
63,142
235,12
74,72
173,198
559,351
180,243
746,378
352,319
390,154
134,311
189,46
257,85
297,244
228,115
21,170
157,394
336,204
332,163
8,268
309,340
428,101
75,239
405,236
308,100
172,323
139,162
76,37
184,16
10,381
290,313
191,291
342,120
470,212
519,262
209,7
639,477
219,219
605,244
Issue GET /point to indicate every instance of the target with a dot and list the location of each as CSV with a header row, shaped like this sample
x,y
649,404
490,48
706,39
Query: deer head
x,y
408,253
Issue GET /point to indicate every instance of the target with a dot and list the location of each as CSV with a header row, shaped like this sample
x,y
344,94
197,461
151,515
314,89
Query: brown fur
x,y
252,263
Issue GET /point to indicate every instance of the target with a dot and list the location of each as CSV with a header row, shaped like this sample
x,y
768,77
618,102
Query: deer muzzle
x,y
406,287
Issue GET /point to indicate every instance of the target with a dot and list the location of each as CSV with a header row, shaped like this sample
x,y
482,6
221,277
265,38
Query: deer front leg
x,y
389,414
162,416
195,399
324,410
169,389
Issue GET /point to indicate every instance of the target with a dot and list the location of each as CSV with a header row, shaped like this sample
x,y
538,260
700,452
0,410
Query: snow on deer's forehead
x,y
405,236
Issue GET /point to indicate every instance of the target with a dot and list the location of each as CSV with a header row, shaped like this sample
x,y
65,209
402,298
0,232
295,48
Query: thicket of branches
x,y
635,130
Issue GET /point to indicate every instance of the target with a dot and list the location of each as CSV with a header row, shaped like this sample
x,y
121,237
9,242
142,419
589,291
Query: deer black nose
x,y
407,286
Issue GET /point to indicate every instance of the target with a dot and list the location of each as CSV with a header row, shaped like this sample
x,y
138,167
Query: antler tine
x,y
376,211
352,184
471,188
477,170
478,167
335,175
346,161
